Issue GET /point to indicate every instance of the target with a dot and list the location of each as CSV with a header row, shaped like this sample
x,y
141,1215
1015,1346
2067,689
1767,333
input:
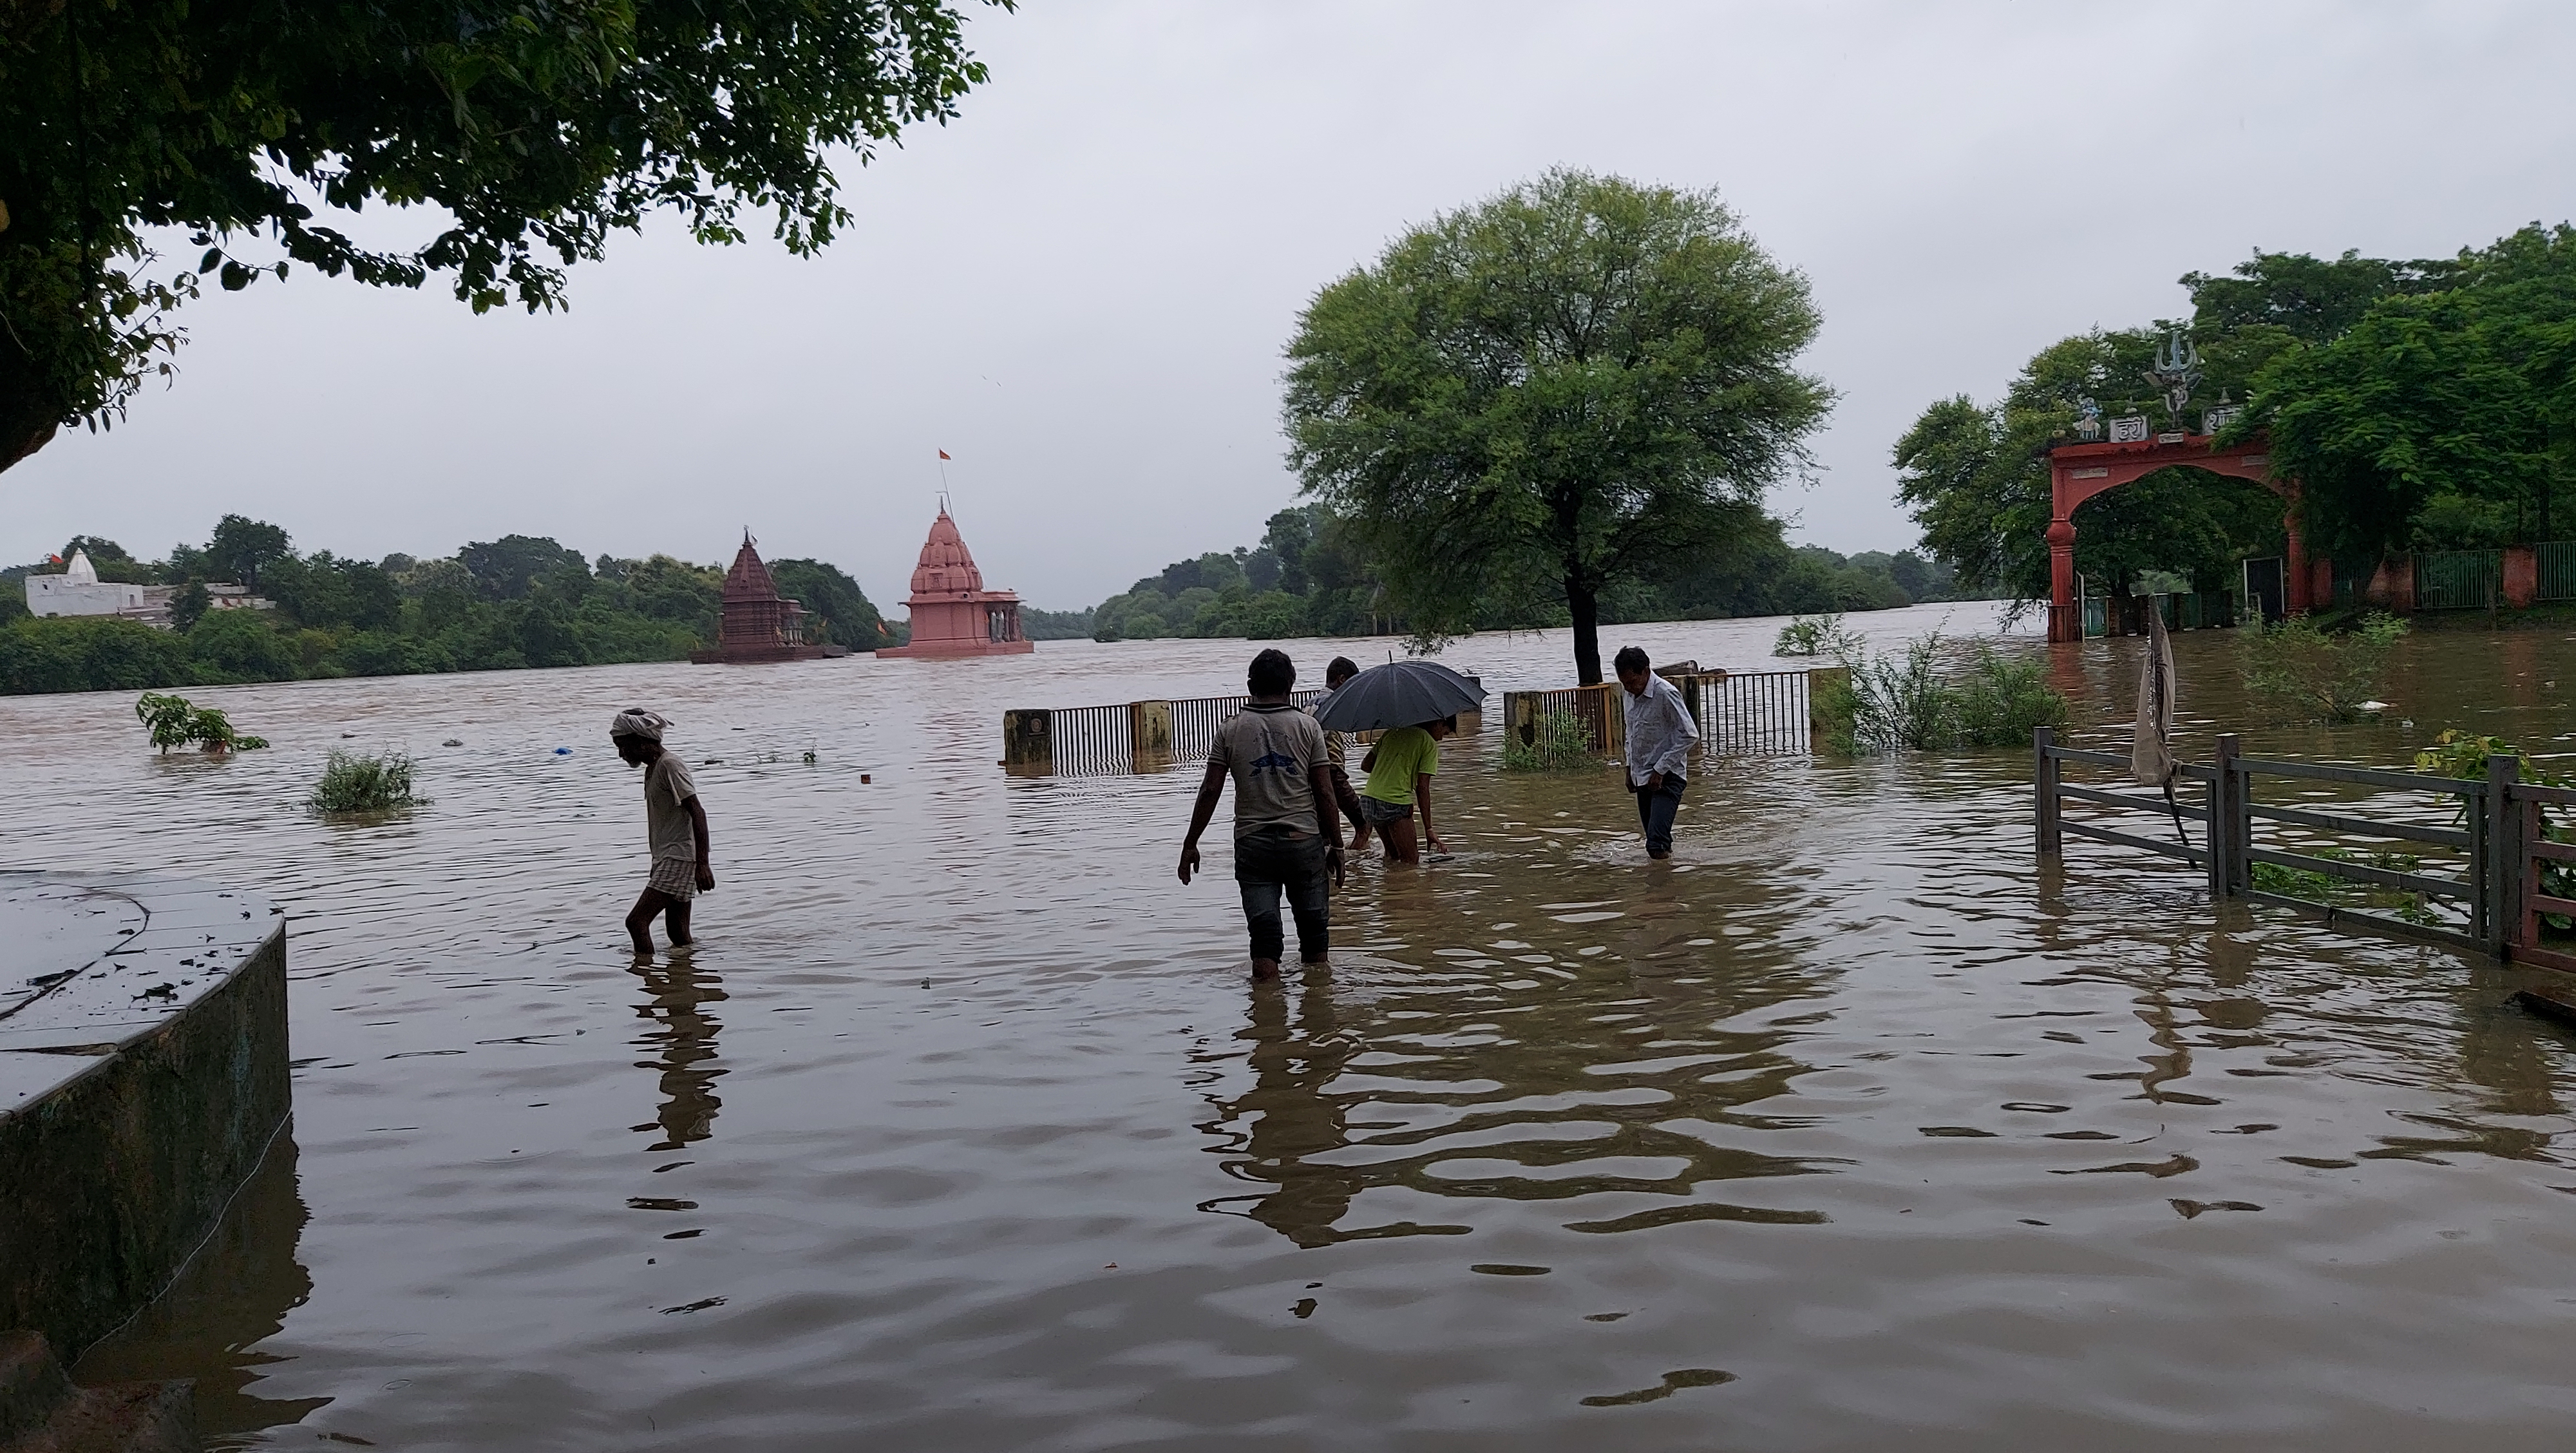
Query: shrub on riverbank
x,y
352,782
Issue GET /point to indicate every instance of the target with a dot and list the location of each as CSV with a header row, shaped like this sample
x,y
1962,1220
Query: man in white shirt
x,y
1660,734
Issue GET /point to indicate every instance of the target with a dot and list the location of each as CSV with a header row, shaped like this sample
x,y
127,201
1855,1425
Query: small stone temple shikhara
x,y
757,623
952,613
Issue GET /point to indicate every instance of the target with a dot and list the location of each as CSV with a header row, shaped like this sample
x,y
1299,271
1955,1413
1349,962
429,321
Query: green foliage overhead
x,y
525,134
1558,389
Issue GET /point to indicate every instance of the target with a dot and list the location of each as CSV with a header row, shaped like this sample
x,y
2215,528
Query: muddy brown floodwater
x,y
961,1128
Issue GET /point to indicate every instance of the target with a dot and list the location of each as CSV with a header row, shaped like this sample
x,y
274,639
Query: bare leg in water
x,y
639,919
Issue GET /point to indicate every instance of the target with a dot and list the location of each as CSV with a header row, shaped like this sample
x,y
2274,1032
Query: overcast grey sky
x,y
1081,288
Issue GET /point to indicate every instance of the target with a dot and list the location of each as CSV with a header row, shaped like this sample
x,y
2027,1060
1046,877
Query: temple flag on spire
x,y
943,453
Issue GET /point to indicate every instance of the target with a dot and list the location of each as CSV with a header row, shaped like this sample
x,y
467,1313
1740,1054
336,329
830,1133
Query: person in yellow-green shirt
x,y
1399,768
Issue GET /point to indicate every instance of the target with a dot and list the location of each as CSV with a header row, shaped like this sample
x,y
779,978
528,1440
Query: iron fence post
x,y
2227,822
2043,741
2500,898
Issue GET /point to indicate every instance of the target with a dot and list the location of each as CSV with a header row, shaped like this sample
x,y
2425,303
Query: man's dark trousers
x,y
1269,862
1655,809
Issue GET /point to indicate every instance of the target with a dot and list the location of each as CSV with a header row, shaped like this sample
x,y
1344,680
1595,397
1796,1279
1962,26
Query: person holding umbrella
x,y
1287,835
1660,734
1416,703
1400,767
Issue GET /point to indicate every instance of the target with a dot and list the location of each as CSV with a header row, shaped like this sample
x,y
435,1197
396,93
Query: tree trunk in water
x,y
1586,606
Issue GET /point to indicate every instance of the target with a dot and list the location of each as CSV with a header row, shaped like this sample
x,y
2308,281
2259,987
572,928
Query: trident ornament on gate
x,y
2177,369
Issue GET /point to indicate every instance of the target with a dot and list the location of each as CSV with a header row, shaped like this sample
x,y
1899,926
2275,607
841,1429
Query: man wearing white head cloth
x,y
673,820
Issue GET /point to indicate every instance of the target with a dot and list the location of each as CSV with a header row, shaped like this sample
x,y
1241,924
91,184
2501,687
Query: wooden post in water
x,y
1149,735
2042,739
1027,740
2227,820
2500,898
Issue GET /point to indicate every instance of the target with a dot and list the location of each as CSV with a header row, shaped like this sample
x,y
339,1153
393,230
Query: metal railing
x,y
2485,838
1138,736
2555,567
1754,714
2459,579
1195,720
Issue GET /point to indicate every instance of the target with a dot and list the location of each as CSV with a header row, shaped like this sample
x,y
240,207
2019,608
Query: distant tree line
x,y
519,601
1309,576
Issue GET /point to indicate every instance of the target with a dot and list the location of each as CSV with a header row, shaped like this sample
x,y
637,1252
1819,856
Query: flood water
x,y
962,1129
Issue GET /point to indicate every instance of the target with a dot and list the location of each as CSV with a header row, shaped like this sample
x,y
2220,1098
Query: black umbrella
x,y
1398,694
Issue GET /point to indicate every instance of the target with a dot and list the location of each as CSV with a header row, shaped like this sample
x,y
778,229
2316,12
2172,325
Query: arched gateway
x,y
2078,472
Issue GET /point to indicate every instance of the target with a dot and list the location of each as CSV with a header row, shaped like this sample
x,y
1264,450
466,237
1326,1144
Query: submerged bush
x,y
1898,704
1822,636
1559,742
1905,704
2305,673
355,783
175,723
1999,700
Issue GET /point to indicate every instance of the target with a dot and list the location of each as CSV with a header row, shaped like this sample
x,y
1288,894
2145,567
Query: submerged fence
x,y
1757,713
1753,713
1136,736
2461,862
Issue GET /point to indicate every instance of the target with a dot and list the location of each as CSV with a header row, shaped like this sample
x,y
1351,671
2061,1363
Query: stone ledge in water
x,y
143,1074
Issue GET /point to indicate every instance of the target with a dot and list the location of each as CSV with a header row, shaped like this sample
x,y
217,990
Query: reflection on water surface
x,y
1850,1127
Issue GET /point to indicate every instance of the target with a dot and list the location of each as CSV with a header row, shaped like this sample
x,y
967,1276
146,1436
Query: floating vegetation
x,y
1559,742
173,722
352,782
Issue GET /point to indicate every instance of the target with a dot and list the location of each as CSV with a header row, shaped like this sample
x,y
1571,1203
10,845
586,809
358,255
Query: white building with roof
x,y
79,592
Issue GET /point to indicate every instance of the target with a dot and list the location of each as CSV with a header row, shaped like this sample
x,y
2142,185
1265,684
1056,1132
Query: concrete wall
x,y
139,1087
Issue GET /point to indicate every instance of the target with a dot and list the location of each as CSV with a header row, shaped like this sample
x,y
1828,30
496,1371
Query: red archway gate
x,y
2078,472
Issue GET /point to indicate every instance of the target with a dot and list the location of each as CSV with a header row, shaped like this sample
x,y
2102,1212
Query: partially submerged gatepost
x,y
2503,847
1028,739
2231,828
1149,734
1829,704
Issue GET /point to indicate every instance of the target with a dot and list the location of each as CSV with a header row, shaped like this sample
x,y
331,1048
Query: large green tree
x,y
1566,386
526,133
2438,419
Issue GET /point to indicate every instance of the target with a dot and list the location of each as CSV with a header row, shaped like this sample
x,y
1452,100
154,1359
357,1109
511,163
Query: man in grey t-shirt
x,y
1287,837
